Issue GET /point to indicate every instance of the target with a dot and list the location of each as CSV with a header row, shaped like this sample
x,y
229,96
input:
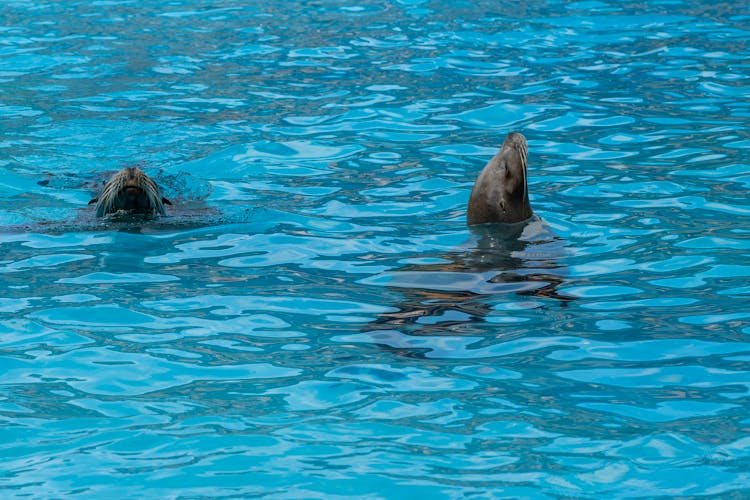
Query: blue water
x,y
326,325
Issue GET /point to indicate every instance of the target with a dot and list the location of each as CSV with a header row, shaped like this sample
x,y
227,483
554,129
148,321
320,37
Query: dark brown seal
x,y
500,193
131,191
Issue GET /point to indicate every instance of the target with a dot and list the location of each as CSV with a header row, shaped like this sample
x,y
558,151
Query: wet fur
x,y
131,191
500,193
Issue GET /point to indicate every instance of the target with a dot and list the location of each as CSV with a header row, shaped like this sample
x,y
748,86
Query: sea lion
x,y
131,191
500,193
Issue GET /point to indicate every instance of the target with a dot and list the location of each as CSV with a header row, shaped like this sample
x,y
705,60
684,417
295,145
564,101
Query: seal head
x,y
131,191
500,193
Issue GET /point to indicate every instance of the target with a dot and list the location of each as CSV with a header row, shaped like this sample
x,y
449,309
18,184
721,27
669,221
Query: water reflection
x,y
446,291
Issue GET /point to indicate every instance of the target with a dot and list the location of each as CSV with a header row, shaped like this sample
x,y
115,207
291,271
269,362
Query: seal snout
x,y
132,191
515,137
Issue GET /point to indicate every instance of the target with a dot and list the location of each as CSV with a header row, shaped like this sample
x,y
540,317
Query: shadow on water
x,y
444,293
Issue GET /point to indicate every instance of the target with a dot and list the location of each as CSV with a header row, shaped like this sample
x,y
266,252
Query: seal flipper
x,y
163,200
93,200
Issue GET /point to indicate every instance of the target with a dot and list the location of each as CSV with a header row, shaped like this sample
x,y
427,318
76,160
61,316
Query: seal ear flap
x,y
165,201
93,200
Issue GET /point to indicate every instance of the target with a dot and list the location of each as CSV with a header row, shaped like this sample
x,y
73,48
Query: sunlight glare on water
x,y
313,318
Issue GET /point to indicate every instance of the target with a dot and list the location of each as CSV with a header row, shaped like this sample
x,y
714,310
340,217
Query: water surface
x,y
327,325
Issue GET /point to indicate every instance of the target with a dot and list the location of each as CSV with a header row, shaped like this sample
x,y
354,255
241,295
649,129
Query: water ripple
x,y
327,325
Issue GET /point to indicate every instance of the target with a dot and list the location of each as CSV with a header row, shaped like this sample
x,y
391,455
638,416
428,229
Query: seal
x,y
500,193
131,191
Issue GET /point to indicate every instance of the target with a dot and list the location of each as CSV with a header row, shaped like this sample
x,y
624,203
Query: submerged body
x,y
130,191
500,193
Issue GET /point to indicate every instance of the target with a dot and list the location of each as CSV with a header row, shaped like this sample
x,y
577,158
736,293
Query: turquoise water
x,y
314,319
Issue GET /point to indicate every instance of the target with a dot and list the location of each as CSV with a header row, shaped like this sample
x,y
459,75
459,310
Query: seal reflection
x,y
449,297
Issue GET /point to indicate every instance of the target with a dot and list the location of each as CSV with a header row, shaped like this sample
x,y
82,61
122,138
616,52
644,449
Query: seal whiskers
x,y
130,190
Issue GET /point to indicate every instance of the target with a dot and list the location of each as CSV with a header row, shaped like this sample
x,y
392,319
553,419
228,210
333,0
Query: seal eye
x,y
503,167
506,169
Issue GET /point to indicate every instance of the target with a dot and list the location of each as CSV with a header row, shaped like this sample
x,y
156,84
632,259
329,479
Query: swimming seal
x,y
132,191
500,193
